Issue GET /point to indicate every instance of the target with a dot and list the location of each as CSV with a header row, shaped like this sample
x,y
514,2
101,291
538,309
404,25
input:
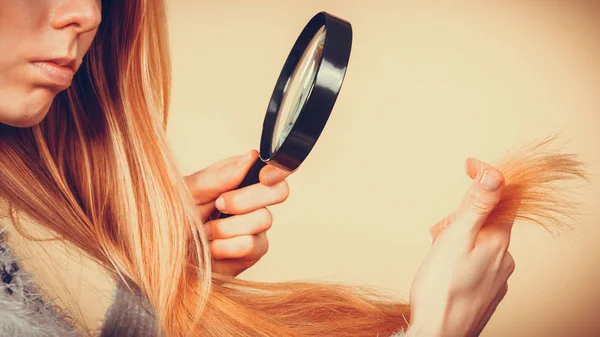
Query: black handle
x,y
251,178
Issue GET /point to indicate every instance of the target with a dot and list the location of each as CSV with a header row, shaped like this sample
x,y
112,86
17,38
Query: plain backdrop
x,y
428,85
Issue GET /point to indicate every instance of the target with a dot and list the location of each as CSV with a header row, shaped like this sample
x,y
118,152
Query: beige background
x,y
427,86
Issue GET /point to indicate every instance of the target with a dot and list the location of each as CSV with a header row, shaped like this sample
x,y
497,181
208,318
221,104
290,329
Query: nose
x,y
82,15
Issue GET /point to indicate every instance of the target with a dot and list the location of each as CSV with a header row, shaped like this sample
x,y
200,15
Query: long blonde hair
x,y
98,172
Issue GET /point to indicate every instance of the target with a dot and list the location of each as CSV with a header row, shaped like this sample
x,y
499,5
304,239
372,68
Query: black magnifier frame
x,y
316,109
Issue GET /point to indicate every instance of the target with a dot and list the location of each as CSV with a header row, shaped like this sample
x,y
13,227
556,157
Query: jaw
x,y
25,108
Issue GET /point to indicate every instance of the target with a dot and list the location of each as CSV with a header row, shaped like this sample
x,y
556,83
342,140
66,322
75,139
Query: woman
x,y
84,94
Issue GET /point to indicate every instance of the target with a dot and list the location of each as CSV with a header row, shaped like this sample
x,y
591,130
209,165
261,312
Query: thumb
x,y
208,184
481,198
437,229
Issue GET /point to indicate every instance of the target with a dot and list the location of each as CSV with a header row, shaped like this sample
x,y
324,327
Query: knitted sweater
x,y
23,312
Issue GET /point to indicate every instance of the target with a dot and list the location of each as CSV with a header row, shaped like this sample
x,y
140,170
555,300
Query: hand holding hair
x,y
464,277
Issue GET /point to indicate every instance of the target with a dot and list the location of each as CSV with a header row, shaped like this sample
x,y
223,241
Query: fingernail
x,y
244,159
430,238
220,204
272,176
490,182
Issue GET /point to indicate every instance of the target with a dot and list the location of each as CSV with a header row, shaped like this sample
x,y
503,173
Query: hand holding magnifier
x,y
304,95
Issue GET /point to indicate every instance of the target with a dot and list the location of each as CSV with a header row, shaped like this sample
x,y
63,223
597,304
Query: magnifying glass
x,y
304,95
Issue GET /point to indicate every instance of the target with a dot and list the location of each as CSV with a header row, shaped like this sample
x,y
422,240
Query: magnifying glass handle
x,y
250,179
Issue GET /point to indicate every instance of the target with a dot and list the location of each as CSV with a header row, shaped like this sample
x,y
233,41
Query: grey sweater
x,y
23,312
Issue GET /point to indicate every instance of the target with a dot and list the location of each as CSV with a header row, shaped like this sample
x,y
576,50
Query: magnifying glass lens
x,y
304,96
298,89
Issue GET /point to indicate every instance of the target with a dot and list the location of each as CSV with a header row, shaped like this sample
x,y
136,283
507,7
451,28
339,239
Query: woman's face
x,y
42,44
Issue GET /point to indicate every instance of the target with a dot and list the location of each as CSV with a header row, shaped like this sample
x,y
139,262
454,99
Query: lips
x,y
58,73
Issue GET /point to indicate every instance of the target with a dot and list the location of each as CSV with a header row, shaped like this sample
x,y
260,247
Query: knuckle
x,y
207,230
284,190
232,201
263,245
214,251
497,243
247,245
265,249
189,180
215,229
480,204
221,249
194,182
502,293
510,264
266,218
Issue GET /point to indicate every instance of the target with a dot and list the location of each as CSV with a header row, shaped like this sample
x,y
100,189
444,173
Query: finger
x,y
491,246
437,229
252,197
491,310
503,212
206,185
251,223
479,201
475,167
271,175
207,211
495,236
247,247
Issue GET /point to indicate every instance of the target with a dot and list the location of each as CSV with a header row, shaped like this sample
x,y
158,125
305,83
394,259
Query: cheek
x,y
22,24
85,41
22,27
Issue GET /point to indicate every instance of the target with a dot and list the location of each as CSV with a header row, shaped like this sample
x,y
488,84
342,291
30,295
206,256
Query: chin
x,y
26,122
30,112
30,120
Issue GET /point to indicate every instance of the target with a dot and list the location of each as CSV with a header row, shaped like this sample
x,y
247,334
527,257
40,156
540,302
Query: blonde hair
x,y
98,172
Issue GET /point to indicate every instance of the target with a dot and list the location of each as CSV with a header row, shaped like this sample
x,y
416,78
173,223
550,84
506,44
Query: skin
x,y
464,277
35,30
